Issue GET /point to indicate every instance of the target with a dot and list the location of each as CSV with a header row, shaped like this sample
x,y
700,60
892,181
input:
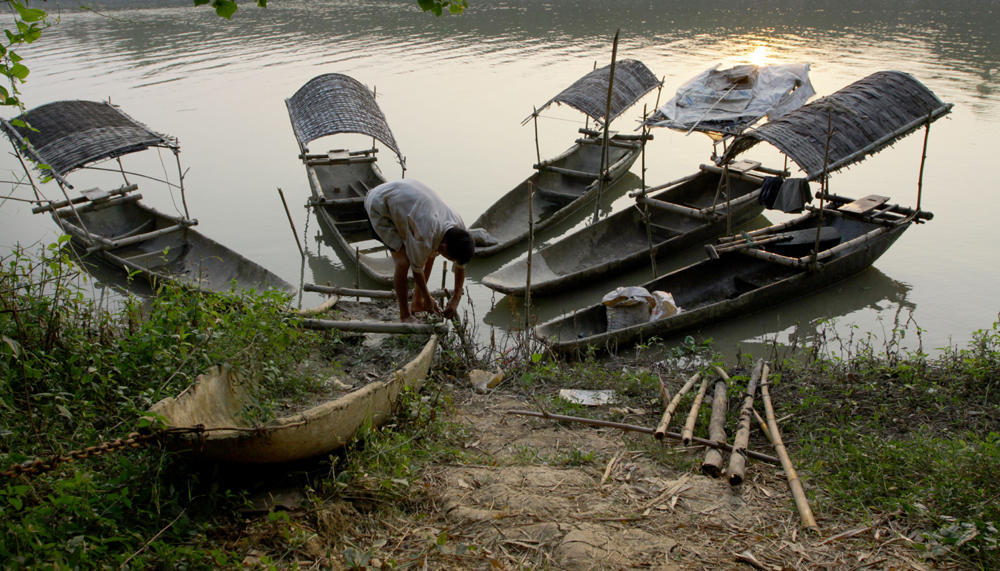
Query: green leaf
x,y
262,3
64,412
32,34
19,71
201,2
225,8
15,58
19,123
30,14
14,347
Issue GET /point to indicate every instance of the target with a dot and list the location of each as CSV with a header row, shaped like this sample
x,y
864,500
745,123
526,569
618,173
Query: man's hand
x,y
452,308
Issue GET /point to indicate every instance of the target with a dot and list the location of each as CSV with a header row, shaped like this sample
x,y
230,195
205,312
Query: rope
x,y
133,440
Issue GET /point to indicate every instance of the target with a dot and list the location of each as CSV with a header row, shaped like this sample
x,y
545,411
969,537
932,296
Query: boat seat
x,y
865,204
663,231
555,196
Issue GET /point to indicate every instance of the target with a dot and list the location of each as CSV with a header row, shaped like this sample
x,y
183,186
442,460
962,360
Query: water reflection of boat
x,y
331,104
760,272
568,182
65,136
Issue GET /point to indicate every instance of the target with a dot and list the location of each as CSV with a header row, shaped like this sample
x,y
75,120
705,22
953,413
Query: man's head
x,y
458,245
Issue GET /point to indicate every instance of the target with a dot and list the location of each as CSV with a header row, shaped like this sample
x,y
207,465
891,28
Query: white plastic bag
x,y
665,306
628,306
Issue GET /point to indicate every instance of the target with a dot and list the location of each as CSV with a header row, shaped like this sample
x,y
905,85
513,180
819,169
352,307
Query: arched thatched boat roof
x,y
335,103
589,94
865,117
68,135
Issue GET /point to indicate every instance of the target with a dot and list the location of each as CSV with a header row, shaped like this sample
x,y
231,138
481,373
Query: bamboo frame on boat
x,y
63,203
661,429
738,460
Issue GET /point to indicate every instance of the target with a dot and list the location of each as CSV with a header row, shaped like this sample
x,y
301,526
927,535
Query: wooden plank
x,y
743,166
865,204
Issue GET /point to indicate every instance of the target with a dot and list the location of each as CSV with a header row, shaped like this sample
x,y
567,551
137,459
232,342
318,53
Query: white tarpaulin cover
x,y
730,100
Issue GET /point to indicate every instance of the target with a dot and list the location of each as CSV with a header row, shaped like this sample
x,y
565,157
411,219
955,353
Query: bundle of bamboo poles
x,y
716,443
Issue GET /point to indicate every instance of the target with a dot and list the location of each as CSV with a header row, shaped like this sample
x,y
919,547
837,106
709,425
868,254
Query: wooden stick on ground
x,y
692,419
738,460
712,465
661,429
794,484
641,429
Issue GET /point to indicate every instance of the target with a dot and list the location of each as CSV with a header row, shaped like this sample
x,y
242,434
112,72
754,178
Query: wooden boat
x,y
683,214
217,399
340,179
114,225
572,180
770,268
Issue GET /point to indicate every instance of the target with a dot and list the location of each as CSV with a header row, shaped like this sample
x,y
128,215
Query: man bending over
x,y
416,225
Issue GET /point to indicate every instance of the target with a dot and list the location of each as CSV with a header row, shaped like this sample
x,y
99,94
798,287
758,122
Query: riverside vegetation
x,y
896,440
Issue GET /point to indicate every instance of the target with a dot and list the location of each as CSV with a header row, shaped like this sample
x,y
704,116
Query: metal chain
x,y
133,440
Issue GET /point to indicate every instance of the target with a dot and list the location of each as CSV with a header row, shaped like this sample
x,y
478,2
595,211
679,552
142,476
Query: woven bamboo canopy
x,y
862,119
68,135
335,103
589,94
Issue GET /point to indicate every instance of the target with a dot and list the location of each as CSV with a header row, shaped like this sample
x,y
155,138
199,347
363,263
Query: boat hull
x,y
620,242
556,194
713,291
185,257
216,401
338,195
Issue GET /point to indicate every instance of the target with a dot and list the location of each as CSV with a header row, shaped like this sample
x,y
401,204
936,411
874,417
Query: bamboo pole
x,y
763,426
370,293
531,246
645,211
661,429
692,418
825,182
641,430
738,460
538,150
769,230
712,465
375,326
794,484
923,159
180,181
290,222
607,126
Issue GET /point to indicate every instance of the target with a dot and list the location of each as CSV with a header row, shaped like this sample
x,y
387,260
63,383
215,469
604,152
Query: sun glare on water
x,y
759,55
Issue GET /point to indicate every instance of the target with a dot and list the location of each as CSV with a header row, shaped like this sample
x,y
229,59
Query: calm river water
x,y
455,90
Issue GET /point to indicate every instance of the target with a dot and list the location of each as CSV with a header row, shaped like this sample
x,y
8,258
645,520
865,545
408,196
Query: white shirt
x,y
408,213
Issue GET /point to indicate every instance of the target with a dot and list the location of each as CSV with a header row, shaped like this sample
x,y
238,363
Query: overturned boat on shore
x,y
218,400
753,271
340,179
575,178
66,136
